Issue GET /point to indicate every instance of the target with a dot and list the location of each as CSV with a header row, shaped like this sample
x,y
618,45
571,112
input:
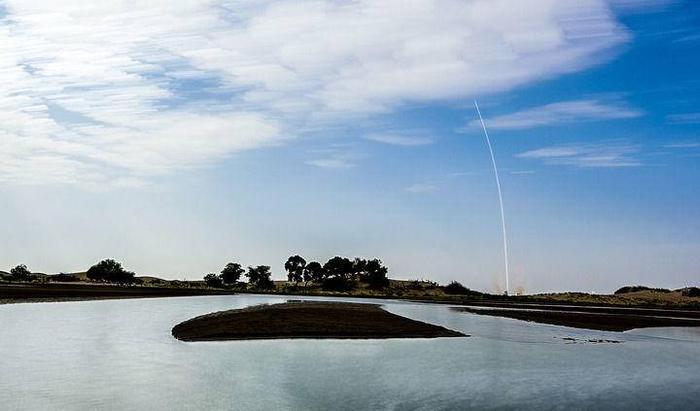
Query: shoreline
x,y
599,320
69,292
598,317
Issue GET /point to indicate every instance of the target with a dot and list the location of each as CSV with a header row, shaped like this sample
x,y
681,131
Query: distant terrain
x,y
77,286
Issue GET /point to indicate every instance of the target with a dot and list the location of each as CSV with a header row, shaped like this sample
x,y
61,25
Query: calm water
x,y
119,355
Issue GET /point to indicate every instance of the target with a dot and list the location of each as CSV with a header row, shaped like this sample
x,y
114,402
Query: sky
x,y
178,135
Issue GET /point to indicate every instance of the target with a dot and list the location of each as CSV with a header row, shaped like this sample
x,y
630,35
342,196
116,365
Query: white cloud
x,y
400,139
683,144
335,156
100,92
587,155
563,112
333,162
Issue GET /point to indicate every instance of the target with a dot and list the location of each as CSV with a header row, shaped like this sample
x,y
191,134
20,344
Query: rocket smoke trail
x,y
500,195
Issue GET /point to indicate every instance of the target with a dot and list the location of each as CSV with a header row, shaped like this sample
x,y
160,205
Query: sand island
x,y
306,319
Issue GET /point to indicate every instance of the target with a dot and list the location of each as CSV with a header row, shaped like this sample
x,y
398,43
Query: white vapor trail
x,y
500,194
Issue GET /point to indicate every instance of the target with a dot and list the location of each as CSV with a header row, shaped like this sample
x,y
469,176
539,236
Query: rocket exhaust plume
x,y
500,194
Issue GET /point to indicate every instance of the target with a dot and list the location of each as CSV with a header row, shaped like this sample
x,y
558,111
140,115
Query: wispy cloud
x,y
400,139
683,144
587,155
421,188
642,5
122,91
684,118
563,112
335,156
332,162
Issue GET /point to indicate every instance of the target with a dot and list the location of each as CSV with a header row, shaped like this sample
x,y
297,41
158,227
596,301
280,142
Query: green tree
x,y
232,273
295,268
259,277
338,274
110,271
338,267
375,274
20,273
359,268
213,280
313,272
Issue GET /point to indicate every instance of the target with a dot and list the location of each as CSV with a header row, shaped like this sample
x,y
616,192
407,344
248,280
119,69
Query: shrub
x,y
337,284
635,288
213,280
456,288
691,292
20,273
110,271
64,278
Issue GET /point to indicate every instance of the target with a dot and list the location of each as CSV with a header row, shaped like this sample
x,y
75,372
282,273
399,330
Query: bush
x,y
20,273
456,288
110,271
691,292
340,284
635,288
63,278
213,280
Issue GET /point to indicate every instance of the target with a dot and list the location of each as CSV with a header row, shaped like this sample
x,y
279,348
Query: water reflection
x,y
120,355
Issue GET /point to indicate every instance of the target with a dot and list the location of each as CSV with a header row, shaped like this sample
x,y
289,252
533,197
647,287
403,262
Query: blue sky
x,y
182,135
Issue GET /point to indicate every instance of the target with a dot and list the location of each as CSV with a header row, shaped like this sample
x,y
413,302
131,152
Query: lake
x,y
119,354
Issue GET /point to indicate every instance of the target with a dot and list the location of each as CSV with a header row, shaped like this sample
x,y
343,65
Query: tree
x,y
295,268
359,267
313,272
231,273
259,277
338,267
337,274
375,274
213,280
110,271
21,273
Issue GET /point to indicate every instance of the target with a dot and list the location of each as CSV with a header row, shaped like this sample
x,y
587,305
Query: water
x,y
119,354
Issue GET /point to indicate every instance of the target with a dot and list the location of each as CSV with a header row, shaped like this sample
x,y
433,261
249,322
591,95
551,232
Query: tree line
x,y
107,270
259,277
337,274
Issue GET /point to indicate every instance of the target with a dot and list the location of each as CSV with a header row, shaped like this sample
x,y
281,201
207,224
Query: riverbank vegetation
x,y
339,276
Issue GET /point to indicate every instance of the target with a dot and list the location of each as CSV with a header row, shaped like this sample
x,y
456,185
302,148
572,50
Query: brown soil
x,y
306,320
594,319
